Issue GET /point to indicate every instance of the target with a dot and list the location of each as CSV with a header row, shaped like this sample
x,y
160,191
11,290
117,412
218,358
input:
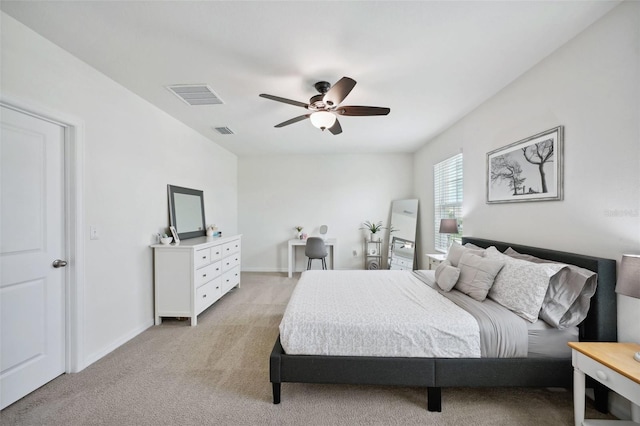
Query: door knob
x,y
58,263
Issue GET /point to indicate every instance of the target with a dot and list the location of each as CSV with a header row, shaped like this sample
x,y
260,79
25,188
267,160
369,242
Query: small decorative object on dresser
x,y
174,234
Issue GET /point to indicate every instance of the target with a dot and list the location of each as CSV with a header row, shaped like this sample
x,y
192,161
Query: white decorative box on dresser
x,y
191,276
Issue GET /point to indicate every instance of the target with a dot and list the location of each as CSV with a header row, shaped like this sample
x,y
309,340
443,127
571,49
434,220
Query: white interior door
x,y
32,290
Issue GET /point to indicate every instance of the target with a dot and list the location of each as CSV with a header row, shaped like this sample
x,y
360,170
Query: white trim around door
x,y
74,224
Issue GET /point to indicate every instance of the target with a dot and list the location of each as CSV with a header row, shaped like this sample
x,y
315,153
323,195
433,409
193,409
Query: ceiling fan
x,y
325,107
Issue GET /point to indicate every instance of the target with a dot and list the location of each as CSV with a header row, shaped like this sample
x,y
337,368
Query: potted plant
x,y
372,227
298,228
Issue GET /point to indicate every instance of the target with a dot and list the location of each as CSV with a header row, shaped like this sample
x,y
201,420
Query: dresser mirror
x,y
186,211
402,236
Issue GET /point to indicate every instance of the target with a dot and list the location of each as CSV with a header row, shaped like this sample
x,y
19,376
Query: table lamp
x,y
448,226
629,280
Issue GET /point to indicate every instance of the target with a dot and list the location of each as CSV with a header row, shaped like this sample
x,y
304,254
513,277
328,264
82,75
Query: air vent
x,y
224,130
196,94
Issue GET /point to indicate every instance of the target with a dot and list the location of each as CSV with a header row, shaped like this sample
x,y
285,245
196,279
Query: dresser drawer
x,y
403,262
216,252
230,262
207,294
608,377
202,257
232,247
207,273
230,279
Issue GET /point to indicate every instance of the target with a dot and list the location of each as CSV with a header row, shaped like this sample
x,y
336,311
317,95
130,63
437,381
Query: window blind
x,y
447,193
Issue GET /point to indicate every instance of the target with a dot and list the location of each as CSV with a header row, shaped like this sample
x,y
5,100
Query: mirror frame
x,y
409,238
172,190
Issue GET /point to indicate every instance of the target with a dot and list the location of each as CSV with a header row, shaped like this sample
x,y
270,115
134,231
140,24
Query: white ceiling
x,y
431,62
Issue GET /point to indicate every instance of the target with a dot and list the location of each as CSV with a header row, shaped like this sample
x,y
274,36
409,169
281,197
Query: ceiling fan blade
x,y
336,129
285,100
339,91
293,120
362,110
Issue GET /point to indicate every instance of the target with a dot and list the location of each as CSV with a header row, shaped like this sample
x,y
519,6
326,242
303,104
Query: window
x,y
447,199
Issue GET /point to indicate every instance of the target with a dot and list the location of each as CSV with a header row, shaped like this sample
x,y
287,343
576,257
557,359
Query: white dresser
x,y
191,276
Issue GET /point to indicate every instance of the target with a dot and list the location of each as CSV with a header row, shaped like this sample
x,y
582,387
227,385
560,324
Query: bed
x,y
437,372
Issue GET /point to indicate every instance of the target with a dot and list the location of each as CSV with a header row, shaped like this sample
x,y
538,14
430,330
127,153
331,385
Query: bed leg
x,y
601,396
276,392
434,399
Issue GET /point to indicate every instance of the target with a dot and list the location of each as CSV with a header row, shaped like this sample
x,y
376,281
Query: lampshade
x,y
629,277
322,119
448,226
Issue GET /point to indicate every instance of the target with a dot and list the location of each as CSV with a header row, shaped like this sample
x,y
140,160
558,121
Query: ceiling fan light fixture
x,y
322,119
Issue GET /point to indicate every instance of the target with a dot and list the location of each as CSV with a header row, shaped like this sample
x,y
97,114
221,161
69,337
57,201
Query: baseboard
x,y
258,269
115,345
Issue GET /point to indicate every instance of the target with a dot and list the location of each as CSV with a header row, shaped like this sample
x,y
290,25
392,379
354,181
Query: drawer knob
x,y
601,375
204,275
204,257
204,296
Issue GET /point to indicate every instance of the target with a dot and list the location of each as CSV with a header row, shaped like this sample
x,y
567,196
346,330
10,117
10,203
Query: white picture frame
x,y
530,169
174,234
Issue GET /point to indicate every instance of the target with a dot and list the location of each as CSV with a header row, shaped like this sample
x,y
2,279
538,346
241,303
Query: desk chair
x,y
315,249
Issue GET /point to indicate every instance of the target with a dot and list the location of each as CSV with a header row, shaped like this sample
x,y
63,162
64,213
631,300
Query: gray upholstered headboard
x,y
601,322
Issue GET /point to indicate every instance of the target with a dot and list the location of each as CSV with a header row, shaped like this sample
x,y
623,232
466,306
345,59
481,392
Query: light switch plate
x,y
93,233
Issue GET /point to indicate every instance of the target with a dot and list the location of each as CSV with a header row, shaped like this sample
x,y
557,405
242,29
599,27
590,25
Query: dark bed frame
x,y
436,373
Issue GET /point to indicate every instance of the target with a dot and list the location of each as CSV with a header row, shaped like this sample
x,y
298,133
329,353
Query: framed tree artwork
x,y
527,170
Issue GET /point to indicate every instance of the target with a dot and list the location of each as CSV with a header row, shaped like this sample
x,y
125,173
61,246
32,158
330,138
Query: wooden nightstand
x,y
611,364
435,259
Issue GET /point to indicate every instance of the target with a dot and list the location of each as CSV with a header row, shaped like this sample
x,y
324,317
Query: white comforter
x,y
375,313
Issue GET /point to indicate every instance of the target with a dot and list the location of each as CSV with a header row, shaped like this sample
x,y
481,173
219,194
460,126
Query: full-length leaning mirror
x,y
402,239
186,211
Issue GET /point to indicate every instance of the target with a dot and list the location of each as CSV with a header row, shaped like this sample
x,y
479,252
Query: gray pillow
x,y
477,275
521,285
446,275
456,251
567,300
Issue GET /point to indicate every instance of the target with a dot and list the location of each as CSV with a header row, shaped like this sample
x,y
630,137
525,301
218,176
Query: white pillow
x,y
473,246
477,275
521,285
446,275
456,250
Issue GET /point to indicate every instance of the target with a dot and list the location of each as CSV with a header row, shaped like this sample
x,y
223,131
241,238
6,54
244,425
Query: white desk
x,y
329,242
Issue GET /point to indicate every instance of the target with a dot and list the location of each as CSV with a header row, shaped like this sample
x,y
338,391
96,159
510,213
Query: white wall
x,y
592,87
132,151
276,193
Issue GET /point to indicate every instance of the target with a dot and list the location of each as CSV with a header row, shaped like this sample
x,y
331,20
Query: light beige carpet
x,y
218,373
